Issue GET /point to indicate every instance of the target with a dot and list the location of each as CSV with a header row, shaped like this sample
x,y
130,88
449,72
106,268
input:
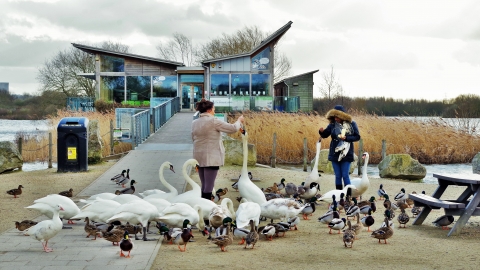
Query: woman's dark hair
x,y
203,105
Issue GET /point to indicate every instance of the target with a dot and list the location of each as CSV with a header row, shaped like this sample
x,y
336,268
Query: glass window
x,y
219,84
138,88
260,84
240,84
261,61
164,86
112,88
195,78
111,64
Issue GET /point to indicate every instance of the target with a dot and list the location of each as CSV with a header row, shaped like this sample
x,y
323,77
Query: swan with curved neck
x,y
173,191
313,176
195,192
362,184
218,213
246,187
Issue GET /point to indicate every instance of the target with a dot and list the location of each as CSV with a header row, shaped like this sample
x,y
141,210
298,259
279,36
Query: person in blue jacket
x,y
341,146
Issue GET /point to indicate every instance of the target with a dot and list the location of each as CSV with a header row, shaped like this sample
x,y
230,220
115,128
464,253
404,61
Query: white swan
x,y
135,212
126,198
150,192
219,212
247,211
175,214
99,210
105,195
195,192
47,204
313,176
173,191
281,208
160,174
246,187
45,230
362,184
327,197
159,203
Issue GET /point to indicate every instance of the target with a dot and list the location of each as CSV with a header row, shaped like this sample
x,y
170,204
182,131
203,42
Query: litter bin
x,y
72,144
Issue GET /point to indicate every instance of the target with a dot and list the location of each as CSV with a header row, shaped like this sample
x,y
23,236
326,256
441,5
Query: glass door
x,y
191,94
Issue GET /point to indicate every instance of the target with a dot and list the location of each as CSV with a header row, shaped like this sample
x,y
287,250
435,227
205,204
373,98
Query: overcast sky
x,y
400,49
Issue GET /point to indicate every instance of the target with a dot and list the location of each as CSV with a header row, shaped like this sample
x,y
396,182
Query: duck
x,y
46,229
383,233
310,190
182,237
293,222
67,193
247,211
368,205
416,210
361,184
269,231
99,210
240,232
222,191
47,204
136,212
300,189
117,177
129,190
113,235
349,235
195,192
290,189
357,227
172,190
123,180
381,192
175,214
15,191
341,202
246,187
282,208
25,224
444,221
167,233
409,201
252,237
90,229
403,218
314,176
222,229
368,220
270,196
224,240
309,208
281,185
131,229
401,195
280,227
104,195
126,245
327,197
329,215
353,209
220,212
235,185
336,224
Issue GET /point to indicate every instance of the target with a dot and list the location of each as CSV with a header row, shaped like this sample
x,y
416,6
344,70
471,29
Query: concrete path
x,y
71,249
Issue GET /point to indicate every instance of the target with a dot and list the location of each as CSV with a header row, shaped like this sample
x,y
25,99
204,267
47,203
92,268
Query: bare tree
x,y
331,90
180,49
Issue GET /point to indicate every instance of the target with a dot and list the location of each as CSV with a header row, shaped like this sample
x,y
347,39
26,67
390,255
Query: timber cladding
x,y
137,67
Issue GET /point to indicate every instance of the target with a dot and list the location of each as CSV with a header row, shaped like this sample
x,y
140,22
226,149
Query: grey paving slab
x,y
71,249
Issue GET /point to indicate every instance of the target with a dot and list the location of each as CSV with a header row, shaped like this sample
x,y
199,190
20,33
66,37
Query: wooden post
x,y
50,145
360,153
384,149
274,150
111,137
305,154
20,144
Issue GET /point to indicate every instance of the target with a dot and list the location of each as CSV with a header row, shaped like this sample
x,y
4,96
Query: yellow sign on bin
x,y
72,153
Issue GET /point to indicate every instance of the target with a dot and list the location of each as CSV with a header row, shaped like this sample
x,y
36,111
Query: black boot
x,y
207,195
339,187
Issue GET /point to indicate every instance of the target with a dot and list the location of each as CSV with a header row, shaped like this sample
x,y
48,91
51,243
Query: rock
x,y
10,157
94,143
476,163
401,166
234,152
325,166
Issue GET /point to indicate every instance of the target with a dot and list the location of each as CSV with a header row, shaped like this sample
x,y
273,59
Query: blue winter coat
x,y
333,129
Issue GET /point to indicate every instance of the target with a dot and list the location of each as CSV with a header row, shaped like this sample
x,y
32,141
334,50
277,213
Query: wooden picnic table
x,y
465,206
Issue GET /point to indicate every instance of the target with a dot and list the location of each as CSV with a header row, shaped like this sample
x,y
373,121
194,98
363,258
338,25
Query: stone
x,y
476,163
94,143
401,166
325,166
10,157
234,152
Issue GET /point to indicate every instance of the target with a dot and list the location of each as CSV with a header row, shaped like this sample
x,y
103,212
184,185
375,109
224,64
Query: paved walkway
x,y
71,249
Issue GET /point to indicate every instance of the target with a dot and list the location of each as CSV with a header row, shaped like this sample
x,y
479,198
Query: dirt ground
x,y
416,247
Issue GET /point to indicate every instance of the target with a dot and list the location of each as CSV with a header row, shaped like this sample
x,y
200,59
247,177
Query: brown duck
x,y
25,224
91,229
384,232
15,191
224,240
67,193
113,235
131,229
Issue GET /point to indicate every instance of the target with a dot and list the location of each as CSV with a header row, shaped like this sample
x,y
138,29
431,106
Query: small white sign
x,y
117,133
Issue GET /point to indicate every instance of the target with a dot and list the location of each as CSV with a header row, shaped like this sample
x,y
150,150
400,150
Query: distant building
x,y
299,85
4,87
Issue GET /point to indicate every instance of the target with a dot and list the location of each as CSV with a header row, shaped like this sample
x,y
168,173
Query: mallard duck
x,y
310,190
270,196
409,201
239,233
279,228
389,204
281,185
403,218
444,221
290,189
353,209
175,214
224,240
329,215
401,195
131,229
327,197
357,227
220,212
293,222
222,191
361,184
416,210
281,209
341,202
269,231
314,176
182,237
368,220
383,232
252,237
381,192
118,176
370,205
46,229
309,208
124,180
67,193
113,235
349,235
129,190
15,191
235,185
25,224
401,204
126,245
337,224
91,229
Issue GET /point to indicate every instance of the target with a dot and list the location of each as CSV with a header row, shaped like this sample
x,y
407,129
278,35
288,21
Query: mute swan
x,y
175,214
45,230
219,212
160,174
135,212
126,198
247,211
47,204
362,184
105,195
99,210
159,203
195,192
313,176
327,197
281,208
173,191
246,187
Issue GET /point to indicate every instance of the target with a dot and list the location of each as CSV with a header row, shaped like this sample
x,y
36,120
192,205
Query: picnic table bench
x,y
465,206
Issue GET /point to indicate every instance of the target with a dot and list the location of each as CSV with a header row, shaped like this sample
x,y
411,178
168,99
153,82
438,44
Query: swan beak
x,y
171,168
242,130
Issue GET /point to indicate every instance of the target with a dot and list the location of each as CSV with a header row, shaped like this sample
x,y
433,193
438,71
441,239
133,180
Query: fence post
x,y
360,153
50,144
20,145
384,149
274,150
305,152
111,137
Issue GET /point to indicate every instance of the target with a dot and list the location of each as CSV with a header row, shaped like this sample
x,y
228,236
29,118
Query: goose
x,y
123,180
126,198
182,236
381,192
175,214
135,212
45,230
327,197
67,193
246,187
444,221
129,190
15,191
104,195
314,176
246,211
252,237
118,176
126,245
281,208
163,181
195,192
220,212
361,184
47,204
99,210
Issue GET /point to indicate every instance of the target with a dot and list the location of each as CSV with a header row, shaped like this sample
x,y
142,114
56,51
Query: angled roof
x,y
94,50
272,38
289,78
